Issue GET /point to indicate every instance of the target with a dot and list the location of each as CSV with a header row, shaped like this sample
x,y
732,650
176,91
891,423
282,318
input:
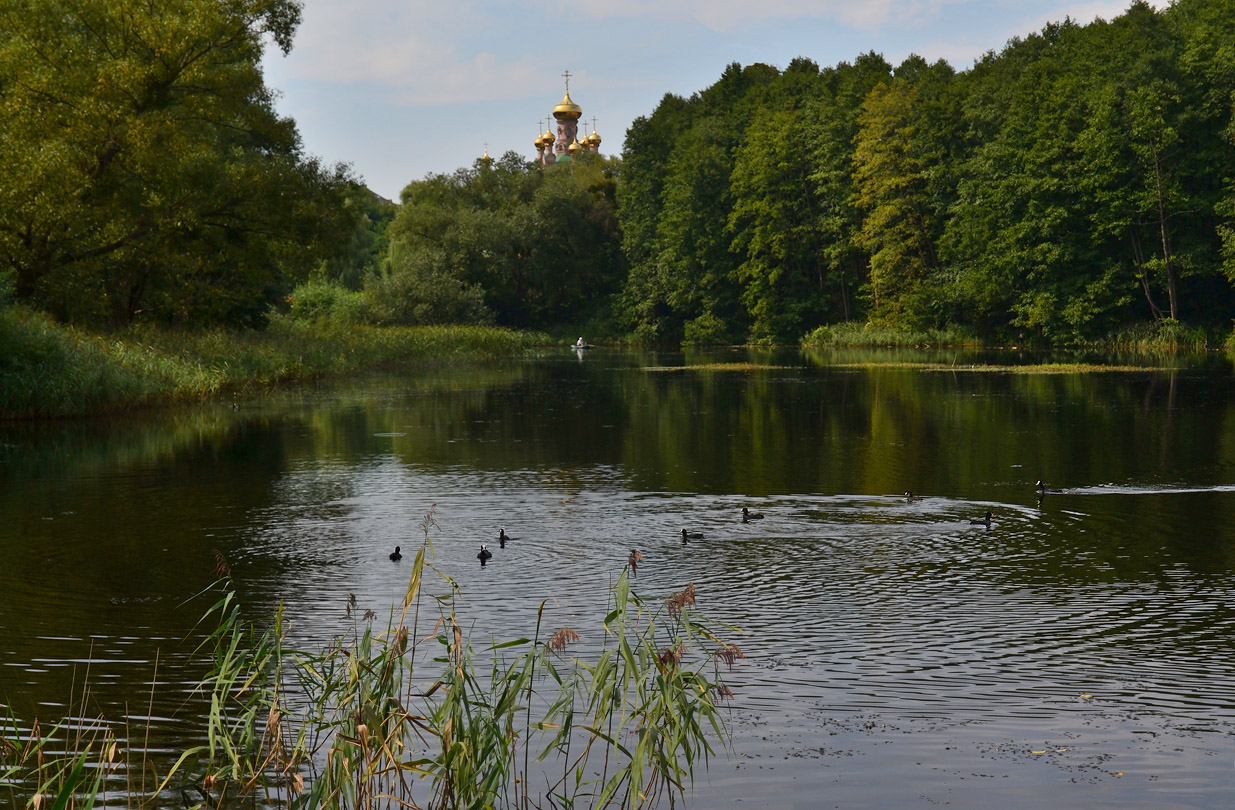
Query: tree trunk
x,y
1168,265
1142,275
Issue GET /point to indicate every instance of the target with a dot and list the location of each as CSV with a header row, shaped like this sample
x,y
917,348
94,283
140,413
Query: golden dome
x,y
593,139
574,147
548,138
567,109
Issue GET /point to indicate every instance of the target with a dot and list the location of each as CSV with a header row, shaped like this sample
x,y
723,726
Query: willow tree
x,y
143,167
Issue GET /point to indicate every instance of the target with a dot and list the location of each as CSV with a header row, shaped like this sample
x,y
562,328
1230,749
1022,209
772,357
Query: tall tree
x,y
142,165
901,227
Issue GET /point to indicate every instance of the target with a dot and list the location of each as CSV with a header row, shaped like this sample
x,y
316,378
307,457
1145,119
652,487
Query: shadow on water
x,y
899,655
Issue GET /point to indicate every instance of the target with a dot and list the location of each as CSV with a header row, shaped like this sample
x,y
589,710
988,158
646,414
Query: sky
x,y
400,89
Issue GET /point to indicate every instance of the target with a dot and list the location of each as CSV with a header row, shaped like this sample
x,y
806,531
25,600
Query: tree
x,y
540,245
143,168
898,229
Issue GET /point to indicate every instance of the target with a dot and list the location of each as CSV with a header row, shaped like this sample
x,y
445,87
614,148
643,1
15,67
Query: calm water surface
x,y
1078,653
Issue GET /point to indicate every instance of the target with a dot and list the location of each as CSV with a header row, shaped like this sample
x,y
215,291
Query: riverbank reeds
x,y
866,335
1163,337
48,370
420,715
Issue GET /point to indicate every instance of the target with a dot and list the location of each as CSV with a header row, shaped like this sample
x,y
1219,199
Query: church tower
x,y
551,149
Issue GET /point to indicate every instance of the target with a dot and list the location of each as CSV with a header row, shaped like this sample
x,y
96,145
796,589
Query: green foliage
x,y
144,172
48,370
1164,336
870,335
317,299
1078,181
419,289
706,330
503,241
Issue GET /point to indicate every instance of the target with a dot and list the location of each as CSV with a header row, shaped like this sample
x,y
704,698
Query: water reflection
x,y
894,647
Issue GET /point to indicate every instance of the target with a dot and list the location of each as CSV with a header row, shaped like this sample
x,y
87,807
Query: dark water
x,y
1080,652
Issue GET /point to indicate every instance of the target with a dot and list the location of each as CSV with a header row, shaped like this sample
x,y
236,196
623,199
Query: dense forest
x,y
1079,182
1075,183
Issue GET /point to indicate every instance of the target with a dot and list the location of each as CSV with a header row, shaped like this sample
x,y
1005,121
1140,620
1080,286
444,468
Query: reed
x,y
853,334
415,715
48,370
1167,336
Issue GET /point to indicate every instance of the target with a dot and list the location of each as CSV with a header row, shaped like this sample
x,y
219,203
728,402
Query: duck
x,y
502,538
688,536
395,555
1042,490
748,515
911,498
982,521
484,554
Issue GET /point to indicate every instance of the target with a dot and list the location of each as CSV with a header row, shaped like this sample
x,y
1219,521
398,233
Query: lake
x,y
1077,652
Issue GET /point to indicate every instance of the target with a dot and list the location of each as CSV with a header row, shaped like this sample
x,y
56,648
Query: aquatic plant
x,y
851,333
419,715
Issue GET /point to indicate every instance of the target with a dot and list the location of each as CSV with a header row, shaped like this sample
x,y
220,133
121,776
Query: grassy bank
x,y
48,370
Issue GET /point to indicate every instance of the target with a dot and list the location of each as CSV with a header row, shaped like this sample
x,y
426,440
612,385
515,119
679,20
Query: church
x,y
552,149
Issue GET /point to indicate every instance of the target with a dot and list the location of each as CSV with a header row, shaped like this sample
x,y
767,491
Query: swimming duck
x,y
688,536
502,538
911,498
1042,490
484,554
749,515
982,521
395,555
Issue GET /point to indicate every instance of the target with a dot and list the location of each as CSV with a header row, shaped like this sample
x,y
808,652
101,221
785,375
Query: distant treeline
x,y
1078,182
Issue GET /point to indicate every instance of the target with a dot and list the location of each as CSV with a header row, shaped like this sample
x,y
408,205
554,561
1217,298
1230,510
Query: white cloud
x,y
429,53
414,53
729,16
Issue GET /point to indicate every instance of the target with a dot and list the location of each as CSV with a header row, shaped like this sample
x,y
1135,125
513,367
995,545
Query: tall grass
x,y
1166,336
49,370
853,334
415,715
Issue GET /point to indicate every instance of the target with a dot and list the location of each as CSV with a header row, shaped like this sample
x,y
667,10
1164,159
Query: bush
x,y
325,300
420,290
706,330
851,333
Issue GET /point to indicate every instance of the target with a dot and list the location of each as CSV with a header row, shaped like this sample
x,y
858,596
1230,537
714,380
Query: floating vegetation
x,y
987,368
718,367
983,368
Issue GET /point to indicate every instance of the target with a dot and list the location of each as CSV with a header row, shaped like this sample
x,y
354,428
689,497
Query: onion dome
x,y
593,139
567,109
548,138
574,147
